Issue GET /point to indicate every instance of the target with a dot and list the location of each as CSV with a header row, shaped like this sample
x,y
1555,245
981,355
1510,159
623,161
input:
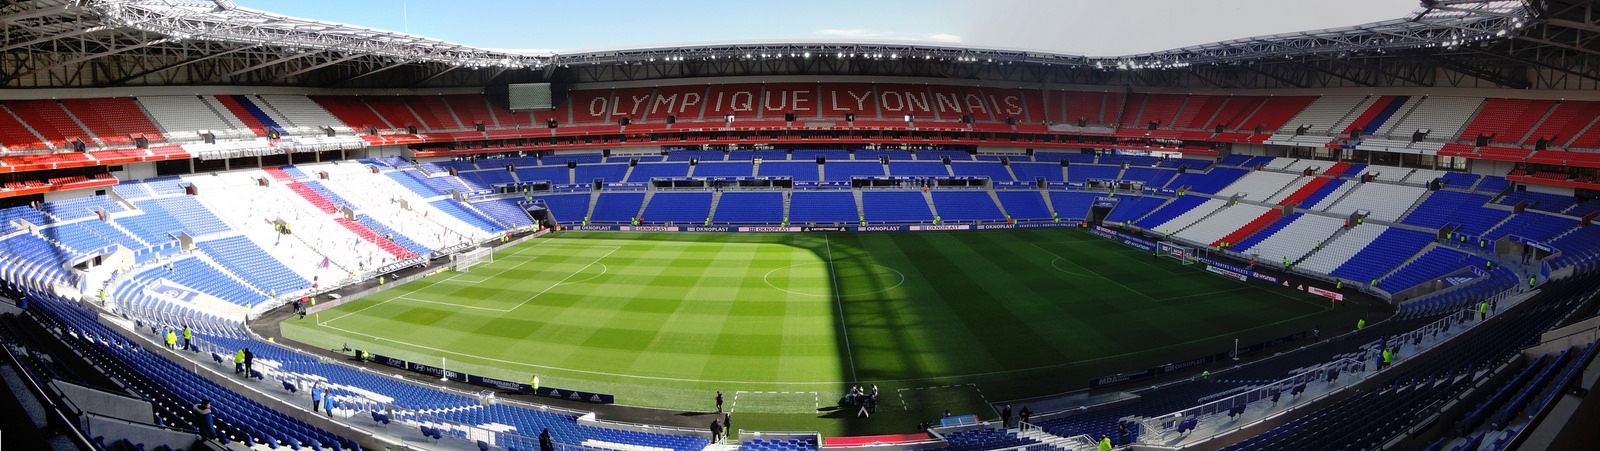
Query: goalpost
x,y
465,261
1183,254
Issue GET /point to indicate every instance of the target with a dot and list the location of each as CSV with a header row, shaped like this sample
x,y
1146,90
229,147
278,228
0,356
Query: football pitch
x,y
782,324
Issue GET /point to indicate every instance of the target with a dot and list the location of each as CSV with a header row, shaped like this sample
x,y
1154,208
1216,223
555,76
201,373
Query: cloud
x,y
943,37
851,33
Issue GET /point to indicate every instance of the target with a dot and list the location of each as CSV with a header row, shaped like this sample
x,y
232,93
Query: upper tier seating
x,y
184,117
1384,201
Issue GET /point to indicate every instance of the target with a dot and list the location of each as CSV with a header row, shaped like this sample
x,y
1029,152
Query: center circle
x,y
888,279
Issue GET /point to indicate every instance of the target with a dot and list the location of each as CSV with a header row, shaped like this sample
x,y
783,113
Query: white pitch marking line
x,y
564,279
838,301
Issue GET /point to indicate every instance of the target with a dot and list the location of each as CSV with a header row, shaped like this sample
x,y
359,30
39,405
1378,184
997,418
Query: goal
x,y
1183,254
465,261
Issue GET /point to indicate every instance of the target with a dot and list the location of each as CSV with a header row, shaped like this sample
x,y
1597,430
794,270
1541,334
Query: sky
x,y
1089,27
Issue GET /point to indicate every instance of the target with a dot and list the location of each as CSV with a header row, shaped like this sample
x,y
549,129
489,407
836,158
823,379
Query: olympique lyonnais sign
x,y
831,99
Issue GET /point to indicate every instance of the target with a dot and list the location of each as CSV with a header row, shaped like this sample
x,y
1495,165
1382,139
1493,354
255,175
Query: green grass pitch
x,y
783,323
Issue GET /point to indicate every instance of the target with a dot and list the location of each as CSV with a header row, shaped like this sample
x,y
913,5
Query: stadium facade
x,y
203,171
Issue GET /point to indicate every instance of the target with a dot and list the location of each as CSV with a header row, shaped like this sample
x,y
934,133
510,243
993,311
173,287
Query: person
x,y
187,335
208,425
1205,375
238,361
1025,414
1360,323
719,401
727,423
1316,334
716,431
172,339
1005,416
316,396
1388,358
1532,280
545,444
1483,310
1105,443
534,382
327,404
1122,432
249,357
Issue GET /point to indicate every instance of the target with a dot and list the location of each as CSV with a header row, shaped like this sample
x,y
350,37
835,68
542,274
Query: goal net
x,y
1183,254
476,257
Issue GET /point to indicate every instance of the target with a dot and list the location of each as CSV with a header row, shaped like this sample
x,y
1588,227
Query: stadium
x,y
228,228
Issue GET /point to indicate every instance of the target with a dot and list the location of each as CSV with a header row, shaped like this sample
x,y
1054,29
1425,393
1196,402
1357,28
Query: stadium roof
x,y
52,43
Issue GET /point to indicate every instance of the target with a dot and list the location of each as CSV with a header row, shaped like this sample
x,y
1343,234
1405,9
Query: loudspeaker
x,y
849,117
672,119
1040,182
1064,163
788,117
572,165
598,184
1220,128
1083,122
694,161
1154,124
412,129
1482,140
821,160
624,121
1005,161
1011,120
946,160
633,162
1542,144
883,159
478,125
550,123
966,119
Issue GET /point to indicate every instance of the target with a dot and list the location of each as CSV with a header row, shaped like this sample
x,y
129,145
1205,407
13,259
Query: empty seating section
x,y
1432,265
567,208
16,136
113,120
702,155
807,444
992,170
823,207
1384,201
393,110
1082,173
1028,172
1532,225
49,120
1071,205
609,173
395,250
1058,157
1259,185
1226,220
472,110
811,155
645,172
198,275
1322,115
353,112
1506,121
1565,122
1554,203
411,246
245,259
81,207
559,175
753,207
183,117
725,170
470,217
844,170
616,208
1152,177
1442,117
1131,208
895,207
1210,183
486,180
917,169
1465,210
966,206
188,213
1383,254
805,171
505,211
1289,238
678,208
300,111
1334,254
1179,206
1024,205
1460,180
